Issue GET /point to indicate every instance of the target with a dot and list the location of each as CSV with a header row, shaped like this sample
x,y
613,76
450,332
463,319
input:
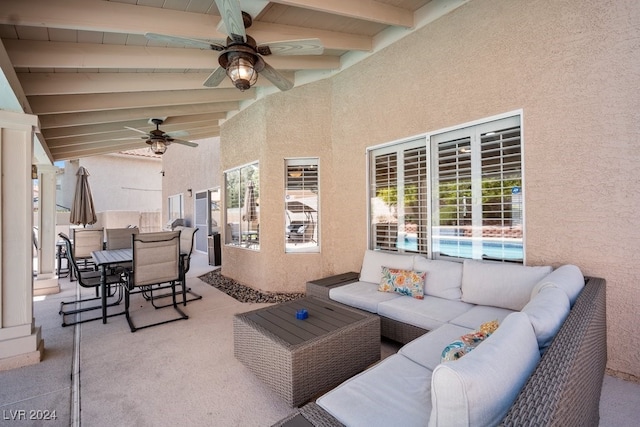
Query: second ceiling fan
x,y
240,56
158,140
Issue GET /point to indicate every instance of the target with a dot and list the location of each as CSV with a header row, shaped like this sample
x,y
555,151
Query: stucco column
x,y
20,340
47,280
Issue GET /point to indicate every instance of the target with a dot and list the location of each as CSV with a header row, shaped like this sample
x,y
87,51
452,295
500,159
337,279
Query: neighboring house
x,y
126,189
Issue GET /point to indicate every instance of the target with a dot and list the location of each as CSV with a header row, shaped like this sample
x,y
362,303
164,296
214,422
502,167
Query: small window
x,y
242,214
176,208
301,205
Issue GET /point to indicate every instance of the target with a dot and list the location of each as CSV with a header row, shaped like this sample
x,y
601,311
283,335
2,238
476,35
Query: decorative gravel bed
x,y
244,293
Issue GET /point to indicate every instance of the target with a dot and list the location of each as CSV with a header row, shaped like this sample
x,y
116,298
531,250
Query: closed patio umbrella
x,y
82,210
249,212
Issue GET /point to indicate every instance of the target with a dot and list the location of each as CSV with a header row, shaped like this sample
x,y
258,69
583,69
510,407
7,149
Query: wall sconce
x,y
34,172
189,192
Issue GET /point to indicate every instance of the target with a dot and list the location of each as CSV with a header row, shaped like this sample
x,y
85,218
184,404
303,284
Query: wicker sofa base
x,y
399,331
565,387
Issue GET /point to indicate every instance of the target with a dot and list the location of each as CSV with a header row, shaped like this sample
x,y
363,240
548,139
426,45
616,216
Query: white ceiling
x,y
85,68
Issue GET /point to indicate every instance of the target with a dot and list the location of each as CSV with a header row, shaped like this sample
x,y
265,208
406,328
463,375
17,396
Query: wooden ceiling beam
x,y
79,83
110,17
171,124
66,153
48,55
116,136
368,10
57,104
48,121
114,17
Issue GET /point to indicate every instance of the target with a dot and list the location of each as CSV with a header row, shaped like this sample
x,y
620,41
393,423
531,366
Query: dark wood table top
x,y
324,317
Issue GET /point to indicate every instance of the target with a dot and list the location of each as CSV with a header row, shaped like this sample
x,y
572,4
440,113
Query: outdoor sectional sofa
x,y
544,365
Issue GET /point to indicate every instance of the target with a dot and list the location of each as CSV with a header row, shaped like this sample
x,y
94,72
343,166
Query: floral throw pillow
x,y
468,342
403,282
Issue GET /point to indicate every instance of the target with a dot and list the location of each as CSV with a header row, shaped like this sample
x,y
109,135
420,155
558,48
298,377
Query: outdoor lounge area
x,y
459,131
94,374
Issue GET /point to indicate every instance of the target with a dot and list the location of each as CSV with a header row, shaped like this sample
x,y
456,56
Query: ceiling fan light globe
x,y
242,73
158,147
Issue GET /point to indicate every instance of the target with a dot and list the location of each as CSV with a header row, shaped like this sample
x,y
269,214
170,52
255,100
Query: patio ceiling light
x,y
158,145
242,67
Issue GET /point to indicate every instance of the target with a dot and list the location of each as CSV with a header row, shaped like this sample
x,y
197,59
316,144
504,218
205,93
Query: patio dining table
x,y
109,257
104,259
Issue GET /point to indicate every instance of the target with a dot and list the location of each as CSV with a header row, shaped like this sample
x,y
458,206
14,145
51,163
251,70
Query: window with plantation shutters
x,y
302,205
398,197
477,197
454,194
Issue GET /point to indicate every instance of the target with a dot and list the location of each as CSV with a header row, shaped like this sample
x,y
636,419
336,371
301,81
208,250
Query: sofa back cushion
x,y
373,262
568,277
479,389
500,284
444,278
547,311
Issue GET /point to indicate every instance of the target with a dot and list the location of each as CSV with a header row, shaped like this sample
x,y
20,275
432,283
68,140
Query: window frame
x,y
430,141
171,200
306,239
246,234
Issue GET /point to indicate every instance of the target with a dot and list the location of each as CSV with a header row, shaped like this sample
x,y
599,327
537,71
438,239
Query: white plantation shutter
x,y
477,207
302,207
459,196
398,197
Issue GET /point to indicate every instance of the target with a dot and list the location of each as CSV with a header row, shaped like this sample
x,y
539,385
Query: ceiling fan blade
x,y
215,78
201,44
232,17
187,143
127,139
177,133
136,130
275,77
292,47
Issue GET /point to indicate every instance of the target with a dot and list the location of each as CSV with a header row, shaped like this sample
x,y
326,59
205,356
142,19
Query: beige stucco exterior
x,y
119,182
570,66
186,168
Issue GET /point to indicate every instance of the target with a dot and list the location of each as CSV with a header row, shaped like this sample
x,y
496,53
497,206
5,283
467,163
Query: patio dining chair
x,y
120,238
156,265
187,241
88,279
85,241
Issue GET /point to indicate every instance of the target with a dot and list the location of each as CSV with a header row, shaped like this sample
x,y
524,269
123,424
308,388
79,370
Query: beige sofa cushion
x,y
479,388
444,278
547,312
373,262
500,284
568,277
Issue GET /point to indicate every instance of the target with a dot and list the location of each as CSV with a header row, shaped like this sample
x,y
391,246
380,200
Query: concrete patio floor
x,y
181,373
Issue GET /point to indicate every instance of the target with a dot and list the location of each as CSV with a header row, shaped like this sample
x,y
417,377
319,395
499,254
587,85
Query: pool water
x,y
463,248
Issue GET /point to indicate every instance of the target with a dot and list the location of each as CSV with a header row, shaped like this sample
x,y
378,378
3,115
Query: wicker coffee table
x,y
299,359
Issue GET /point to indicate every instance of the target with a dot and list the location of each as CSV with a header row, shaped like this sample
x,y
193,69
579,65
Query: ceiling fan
x,y
240,56
158,140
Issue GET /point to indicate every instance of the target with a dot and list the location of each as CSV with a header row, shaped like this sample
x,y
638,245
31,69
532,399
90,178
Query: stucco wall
x,y
281,126
187,167
571,66
118,182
